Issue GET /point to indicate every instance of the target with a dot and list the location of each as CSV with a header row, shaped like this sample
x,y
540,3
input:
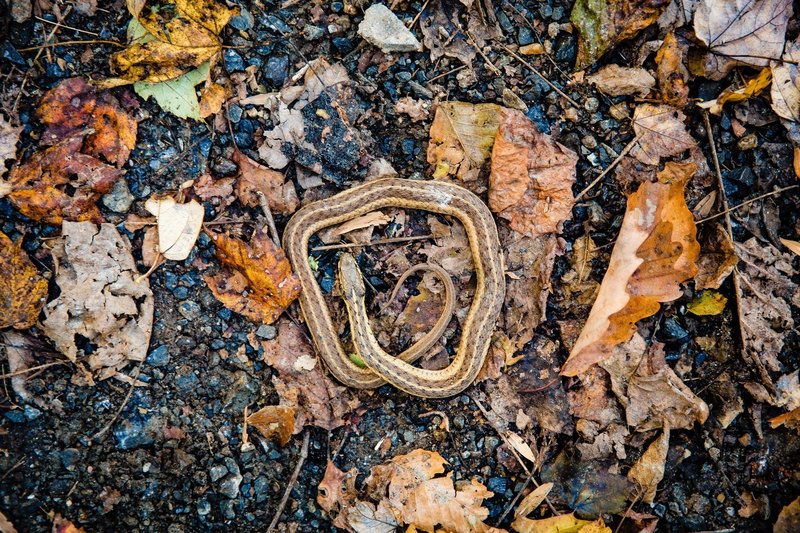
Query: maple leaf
x,y
74,106
60,183
530,184
23,291
661,133
274,422
254,178
257,280
737,32
655,252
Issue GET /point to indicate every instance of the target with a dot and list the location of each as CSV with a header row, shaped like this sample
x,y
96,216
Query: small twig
x,y
273,229
611,167
69,43
421,11
157,262
746,203
135,374
462,67
292,481
536,71
391,240
16,465
93,34
31,369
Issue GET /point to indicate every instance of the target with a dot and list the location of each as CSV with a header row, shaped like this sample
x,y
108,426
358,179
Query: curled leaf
x,y
274,422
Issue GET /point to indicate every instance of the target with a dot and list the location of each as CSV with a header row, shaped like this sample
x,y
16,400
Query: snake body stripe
x,y
434,196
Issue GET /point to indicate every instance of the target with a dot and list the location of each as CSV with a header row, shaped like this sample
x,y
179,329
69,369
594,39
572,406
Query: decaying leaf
x,y
60,183
417,110
655,252
461,138
9,135
337,493
102,312
649,469
444,35
533,500
182,34
753,87
661,133
671,70
20,349
789,518
178,226
740,32
530,184
74,106
257,279
211,99
603,24
407,491
709,303
254,178
717,257
307,389
23,290
785,90
565,523
274,422
615,80
793,246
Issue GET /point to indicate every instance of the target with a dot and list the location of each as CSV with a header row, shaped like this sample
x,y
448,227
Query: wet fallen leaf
x,y
9,135
177,96
256,279
652,394
62,525
274,422
565,523
709,303
717,257
461,138
530,184
254,178
753,87
533,500
740,32
178,226
648,471
587,487
661,133
73,106
671,70
60,183
615,80
604,24
789,518
101,312
655,252
444,35
217,191
23,291
421,312
181,35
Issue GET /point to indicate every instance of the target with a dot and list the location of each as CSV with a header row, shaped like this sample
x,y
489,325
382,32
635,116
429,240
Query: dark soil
x,y
142,476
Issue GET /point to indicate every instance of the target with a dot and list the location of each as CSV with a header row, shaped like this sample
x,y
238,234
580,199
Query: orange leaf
x,y
255,178
655,252
671,72
211,99
337,491
60,184
258,281
23,290
274,422
531,179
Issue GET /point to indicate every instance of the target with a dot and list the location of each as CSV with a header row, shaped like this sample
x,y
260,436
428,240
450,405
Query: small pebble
x,y
158,357
267,332
233,61
190,310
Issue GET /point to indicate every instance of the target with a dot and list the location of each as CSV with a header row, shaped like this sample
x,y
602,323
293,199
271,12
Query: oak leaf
x,y
655,252
740,32
23,291
615,80
461,138
254,178
274,422
60,183
661,133
785,90
257,280
530,184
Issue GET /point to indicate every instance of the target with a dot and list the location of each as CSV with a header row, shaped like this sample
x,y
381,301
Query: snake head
x,y
350,278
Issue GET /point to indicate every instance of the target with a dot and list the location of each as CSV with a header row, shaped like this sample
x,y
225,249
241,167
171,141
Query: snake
x,y
478,326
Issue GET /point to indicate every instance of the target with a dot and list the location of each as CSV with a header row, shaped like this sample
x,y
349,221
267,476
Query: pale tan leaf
x,y
9,135
785,90
522,447
178,225
661,133
371,219
615,80
794,246
533,500
649,469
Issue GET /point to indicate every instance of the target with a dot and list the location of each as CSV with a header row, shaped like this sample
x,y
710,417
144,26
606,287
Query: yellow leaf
x,y
565,523
709,303
211,99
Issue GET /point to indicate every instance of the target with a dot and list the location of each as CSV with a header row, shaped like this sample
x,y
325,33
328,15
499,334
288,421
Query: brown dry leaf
x,y
615,80
793,246
444,35
655,252
421,312
578,285
274,422
62,525
768,294
23,291
212,97
417,110
785,90
307,389
181,35
9,135
671,71
217,191
717,257
606,23
530,184
19,349
99,300
753,87
740,32
789,519
178,225
73,106
256,278
5,525
652,394
369,220
60,183
337,493
649,469
254,178
461,138
565,523
593,400
791,420
661,133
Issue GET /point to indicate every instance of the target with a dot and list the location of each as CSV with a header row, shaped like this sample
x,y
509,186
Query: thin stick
x,y
273,229
746,202
421,11
433,79
69,43
392,240
536,71
93,34
292,482
31,369
613,164
135,374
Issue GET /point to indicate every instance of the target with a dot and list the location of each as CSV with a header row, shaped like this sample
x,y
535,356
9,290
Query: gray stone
x,y
230,486
266,332
120,198
217,472
31,413
243,21
190,310
382,28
